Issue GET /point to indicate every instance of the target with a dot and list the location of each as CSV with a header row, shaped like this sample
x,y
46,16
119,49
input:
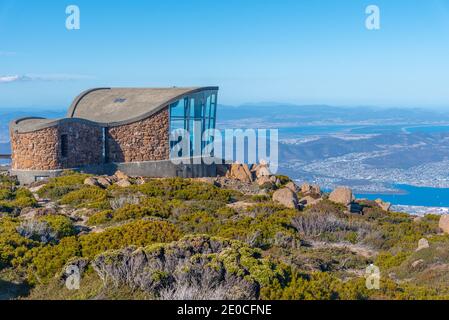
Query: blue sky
x,y
303,52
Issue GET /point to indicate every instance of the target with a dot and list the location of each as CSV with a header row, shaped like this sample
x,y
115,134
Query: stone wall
x,y
146,140
41,150
35,150
85,145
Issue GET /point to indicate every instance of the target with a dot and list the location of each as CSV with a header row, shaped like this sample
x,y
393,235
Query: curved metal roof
x,y
109,107
120,106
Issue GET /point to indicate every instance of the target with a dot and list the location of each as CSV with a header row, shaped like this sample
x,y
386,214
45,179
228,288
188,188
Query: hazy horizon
x,y
262,104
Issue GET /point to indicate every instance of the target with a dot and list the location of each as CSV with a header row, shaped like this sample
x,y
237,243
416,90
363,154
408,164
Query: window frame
x,y
192,109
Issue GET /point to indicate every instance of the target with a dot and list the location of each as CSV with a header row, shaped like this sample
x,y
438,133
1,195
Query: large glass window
x,y
195,114
178,109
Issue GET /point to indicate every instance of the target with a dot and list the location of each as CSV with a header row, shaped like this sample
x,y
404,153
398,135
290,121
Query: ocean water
x,y
428,129
414,196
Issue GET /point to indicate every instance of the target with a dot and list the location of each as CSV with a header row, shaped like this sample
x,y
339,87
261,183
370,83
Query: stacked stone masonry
x,y
145,140
41,150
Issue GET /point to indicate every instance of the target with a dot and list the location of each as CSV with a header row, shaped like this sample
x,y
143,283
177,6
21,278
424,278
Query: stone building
x,y
110,129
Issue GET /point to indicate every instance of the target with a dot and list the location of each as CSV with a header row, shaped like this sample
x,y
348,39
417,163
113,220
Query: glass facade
x,y
195,114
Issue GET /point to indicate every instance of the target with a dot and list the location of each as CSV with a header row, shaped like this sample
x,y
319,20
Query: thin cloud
x,y
46,77
8,79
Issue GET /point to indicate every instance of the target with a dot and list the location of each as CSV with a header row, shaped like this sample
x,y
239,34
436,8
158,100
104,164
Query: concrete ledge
x,y
30,176
152,169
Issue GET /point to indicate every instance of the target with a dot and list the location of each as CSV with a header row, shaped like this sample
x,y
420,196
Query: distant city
x,y
401,155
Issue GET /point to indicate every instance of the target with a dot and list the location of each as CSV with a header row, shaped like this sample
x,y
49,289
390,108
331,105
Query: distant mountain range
x,y
322,114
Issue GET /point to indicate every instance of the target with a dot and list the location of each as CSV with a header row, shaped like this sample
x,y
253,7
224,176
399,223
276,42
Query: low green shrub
x,y
149,207
87,197
60,186
62,225
260,225
45,262
16,200
100,218
183,189
139,233
6,194
12,245
387,260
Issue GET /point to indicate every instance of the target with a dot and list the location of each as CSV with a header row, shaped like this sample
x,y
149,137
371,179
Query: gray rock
x,y
444,223
417,263
342,196
287,198
292,186
124,183
104,182
264,181
91,182
240,172
308,201
121,176
423,244
386,206
308,189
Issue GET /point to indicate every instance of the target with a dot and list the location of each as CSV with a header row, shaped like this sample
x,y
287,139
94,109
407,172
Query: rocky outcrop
x,y
308,189
265,181
342,196
261,170
444,223
386,206
101,182
124,183
308,201
104,182
422,244
292,186
243,187
91,181
417,263
240,172
119,175
33,213
287,198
